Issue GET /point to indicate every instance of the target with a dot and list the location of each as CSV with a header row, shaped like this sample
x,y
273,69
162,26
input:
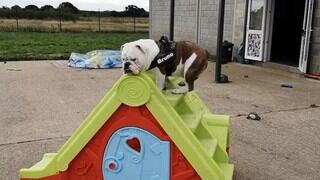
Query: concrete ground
x,y
42,103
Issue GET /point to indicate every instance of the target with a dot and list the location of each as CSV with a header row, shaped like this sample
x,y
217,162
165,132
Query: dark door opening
x,y
287,29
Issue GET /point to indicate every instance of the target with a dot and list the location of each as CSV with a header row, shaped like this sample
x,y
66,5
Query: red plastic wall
x,y
87,165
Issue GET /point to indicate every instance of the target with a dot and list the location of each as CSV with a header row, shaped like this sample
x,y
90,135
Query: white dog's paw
x,y
180,90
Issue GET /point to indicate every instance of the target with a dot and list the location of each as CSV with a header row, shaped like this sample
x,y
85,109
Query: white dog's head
x,y
137,55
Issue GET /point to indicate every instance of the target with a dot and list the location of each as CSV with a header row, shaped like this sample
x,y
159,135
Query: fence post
x,y
134,21
99,15
60,25
17,19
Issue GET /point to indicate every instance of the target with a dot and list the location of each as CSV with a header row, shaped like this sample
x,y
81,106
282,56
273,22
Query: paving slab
x,y
43,102
15,156
47,99
282,145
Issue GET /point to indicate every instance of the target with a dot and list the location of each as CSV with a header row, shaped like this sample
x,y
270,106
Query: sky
x,y
93,5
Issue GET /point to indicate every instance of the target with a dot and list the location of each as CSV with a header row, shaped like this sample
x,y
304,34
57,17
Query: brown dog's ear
x,y
140,48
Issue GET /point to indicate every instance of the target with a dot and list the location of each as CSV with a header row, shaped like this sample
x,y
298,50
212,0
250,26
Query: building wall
x,y
203,29
239,20
159,18
200,27
208,24
185,20
229,20
314,60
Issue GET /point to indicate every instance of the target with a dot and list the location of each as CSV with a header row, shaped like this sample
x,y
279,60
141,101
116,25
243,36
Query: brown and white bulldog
x,y
182,58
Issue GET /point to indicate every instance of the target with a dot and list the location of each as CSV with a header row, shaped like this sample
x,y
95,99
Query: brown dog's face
x,y
133,58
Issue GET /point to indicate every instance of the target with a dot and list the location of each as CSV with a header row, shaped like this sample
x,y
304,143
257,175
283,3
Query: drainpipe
x,y
197,40
245,28
219,41
150,19
172,7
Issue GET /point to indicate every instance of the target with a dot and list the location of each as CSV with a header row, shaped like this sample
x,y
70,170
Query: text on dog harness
x,y
165,58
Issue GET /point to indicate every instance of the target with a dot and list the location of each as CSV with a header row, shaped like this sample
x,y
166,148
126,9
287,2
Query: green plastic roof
x,y
201,137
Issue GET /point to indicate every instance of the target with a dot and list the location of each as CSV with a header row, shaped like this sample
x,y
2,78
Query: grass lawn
x,y
50,46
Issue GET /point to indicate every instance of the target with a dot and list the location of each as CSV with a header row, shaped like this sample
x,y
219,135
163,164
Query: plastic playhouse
x,y
137,132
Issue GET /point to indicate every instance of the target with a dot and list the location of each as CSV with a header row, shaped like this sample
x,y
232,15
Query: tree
x,y
46,8
66,6
15,7
32,7
133,10
14,10
5,7
5,12
115,14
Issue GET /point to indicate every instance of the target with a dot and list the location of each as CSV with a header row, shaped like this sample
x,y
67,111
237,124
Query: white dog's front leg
x,y
181,90
160,79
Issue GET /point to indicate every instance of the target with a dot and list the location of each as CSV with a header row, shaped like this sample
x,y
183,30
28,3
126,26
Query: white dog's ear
x,y
121,48
140,48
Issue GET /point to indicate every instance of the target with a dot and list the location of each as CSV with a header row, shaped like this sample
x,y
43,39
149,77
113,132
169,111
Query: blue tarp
x,y
98,59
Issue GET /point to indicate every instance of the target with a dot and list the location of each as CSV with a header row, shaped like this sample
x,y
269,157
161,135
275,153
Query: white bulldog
x,y
183,58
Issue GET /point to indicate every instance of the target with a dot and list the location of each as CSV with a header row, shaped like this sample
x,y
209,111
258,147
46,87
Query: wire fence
x,y
82,24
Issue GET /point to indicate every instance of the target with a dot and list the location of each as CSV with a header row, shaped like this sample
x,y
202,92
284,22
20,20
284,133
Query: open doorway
x,y
287,29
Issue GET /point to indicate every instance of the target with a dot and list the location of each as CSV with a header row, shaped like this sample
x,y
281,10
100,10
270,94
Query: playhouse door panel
x,y
133,153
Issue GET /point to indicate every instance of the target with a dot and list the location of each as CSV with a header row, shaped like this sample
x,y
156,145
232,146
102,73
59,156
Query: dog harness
x,y
166,57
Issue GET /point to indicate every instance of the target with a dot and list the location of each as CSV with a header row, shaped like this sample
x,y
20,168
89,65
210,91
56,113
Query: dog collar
x,y
166,56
